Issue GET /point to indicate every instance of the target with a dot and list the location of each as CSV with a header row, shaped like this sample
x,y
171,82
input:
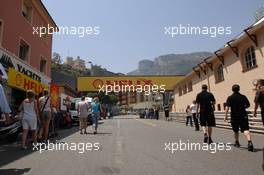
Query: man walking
x,y
195,118
83,109
239,118
205,107
95,105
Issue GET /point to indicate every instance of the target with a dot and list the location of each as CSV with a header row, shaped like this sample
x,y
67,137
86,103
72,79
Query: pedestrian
x,y
30,117
195,118
45,113
147,113
4,106
95,105
83,109
167,112
259,99
239,118
205,107
188,116
157,109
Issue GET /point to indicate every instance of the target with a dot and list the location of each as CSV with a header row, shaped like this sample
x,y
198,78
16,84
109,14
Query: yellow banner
x,y
23,82
93,83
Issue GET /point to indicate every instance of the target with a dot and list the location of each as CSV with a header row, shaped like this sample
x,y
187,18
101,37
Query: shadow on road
x,y
10,152
14,171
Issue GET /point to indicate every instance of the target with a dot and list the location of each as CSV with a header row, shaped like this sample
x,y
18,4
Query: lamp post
x,y
91,63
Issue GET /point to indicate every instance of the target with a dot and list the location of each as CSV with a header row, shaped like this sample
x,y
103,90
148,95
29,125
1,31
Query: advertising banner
x,y
55,94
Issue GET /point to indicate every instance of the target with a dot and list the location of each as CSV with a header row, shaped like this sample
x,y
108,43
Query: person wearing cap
x,y
30,117
4,106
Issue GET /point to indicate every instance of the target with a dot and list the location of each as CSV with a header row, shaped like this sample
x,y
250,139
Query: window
x,y
180,91
23,50
43,65
27,10
250,58
190,86
219,73
184,89
1,32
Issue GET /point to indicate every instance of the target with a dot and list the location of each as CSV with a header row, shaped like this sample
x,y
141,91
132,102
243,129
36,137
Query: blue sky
x,y
132,30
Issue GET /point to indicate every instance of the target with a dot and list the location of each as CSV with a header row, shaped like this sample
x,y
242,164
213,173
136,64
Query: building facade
x,y
78,63
240,61
25,55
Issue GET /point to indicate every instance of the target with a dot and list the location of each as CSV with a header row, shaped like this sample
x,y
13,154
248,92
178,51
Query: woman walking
x,y
30,118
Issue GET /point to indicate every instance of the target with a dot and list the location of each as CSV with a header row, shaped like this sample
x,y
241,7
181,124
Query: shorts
x,y
83,122
241,123
30,124
46,115
207,119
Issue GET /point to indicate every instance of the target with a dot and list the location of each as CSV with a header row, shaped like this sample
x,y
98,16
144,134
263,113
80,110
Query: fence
x,y
255,123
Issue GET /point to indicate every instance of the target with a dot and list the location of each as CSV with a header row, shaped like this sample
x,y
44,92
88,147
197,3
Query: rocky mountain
x,y
171,64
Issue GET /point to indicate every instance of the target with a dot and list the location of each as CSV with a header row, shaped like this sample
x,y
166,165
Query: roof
x,y
48,14
251,29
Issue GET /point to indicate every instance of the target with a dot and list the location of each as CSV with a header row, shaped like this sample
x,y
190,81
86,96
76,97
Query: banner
x,y
23,82
55,94
93,83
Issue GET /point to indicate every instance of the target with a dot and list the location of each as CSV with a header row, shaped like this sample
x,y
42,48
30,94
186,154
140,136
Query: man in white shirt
x,y
83,109
195,118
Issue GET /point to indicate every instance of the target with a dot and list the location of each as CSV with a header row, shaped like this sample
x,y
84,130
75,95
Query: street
x,y
131,146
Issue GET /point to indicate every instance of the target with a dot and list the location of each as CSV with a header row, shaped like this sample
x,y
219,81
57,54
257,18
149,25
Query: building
x,y
78,63
240,61
25,55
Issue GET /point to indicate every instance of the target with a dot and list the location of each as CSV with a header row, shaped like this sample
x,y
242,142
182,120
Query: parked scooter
x,y
11,130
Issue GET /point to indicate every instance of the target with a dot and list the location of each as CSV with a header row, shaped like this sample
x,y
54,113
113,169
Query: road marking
x,y
119,150
146,122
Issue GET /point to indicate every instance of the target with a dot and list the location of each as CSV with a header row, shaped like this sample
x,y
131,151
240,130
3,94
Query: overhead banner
x,y
94,83
55,94
23,82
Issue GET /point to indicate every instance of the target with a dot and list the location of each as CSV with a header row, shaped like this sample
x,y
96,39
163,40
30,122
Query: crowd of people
x,y
151,113
202,109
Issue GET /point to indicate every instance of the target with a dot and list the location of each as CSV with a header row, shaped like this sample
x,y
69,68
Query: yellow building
x,y
240,61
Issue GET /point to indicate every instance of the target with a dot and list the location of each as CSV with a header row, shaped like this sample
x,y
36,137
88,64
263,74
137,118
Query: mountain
x,y
171,64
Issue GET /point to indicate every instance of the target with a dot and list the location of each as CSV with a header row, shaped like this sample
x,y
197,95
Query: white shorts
x,y
30,124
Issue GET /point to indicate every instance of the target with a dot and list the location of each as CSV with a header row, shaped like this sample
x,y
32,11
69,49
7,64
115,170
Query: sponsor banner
x,y
23,82
93,83
11,61
54,94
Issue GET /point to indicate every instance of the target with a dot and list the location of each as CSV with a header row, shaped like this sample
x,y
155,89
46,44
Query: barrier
x,y
255,123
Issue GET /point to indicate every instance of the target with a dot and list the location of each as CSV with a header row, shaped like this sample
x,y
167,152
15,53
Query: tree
x,y
56,58
259,13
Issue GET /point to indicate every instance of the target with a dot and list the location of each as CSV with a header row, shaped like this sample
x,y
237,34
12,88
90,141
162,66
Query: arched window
x,y
250,58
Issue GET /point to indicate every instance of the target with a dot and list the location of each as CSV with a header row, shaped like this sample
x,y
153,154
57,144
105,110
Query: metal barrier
x,y
255,123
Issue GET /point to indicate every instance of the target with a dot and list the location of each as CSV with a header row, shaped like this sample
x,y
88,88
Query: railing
x,y
255,123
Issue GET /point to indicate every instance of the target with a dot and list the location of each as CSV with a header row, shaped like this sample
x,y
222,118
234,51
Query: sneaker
x,y
210,141
237,144
205,139
250,146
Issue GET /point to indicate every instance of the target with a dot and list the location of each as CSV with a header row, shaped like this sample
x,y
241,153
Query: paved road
x,y
130,146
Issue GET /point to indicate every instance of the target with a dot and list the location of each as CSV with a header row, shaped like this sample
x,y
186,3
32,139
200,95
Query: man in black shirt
x,y
239,118
205,107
